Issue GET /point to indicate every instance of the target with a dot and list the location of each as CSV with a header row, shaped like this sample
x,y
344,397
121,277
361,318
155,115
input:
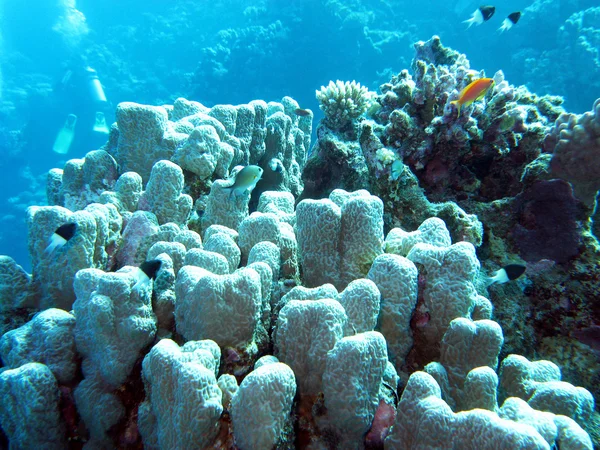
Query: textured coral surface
x,y
348,301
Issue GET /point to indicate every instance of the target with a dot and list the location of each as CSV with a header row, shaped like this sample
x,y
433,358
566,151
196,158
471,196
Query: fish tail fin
x,y
140,284
141,280
230,191
505,26
470,22
53,243
50,248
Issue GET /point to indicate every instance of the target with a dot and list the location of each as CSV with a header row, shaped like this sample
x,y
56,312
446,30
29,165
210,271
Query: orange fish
x,y
476,90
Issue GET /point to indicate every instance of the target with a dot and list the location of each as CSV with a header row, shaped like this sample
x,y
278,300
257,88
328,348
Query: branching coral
x,y
343,102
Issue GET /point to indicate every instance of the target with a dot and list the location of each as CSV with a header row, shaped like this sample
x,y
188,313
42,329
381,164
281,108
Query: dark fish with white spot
x,y
276,165
481,14
60,237
147,271
511,20
508,273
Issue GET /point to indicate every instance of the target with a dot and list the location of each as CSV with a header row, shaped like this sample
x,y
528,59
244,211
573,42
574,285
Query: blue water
x,y
236,51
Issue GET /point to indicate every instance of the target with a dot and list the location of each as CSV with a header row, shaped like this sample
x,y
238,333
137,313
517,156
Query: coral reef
x,y
47,339
207,142
512,174
260,410
183,402
355,318
425,419
575,148
30,415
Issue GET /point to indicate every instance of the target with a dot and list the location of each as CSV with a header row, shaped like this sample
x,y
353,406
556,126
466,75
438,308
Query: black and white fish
x,y
511,20
481,14
146,272
60,237
276,165
508,273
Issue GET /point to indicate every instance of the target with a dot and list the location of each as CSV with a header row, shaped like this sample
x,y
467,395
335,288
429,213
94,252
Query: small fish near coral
x,y
511,20
245,180
481,14
60,237
276,165
302,112
147,271
397,169
507,273
474,91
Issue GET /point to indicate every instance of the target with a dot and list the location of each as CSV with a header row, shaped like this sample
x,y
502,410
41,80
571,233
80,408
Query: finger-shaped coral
x,y
48,339
98,405
260,410
306,331
141,227
183,401
82,181
126,194
15,287
466,345
142,140
224,308
396,278
163,195
361,301
222,208
538,383
211,261
114,321
432,231
303,293
340,237
317,221
351,383
425,420
258,227
203,153
29,412
449,291
268,253
53,273
559,431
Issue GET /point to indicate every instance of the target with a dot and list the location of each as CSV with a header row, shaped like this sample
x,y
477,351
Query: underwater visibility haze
x,y
342,224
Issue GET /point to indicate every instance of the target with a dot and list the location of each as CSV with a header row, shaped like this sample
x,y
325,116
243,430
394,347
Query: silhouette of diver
x,y
70,120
